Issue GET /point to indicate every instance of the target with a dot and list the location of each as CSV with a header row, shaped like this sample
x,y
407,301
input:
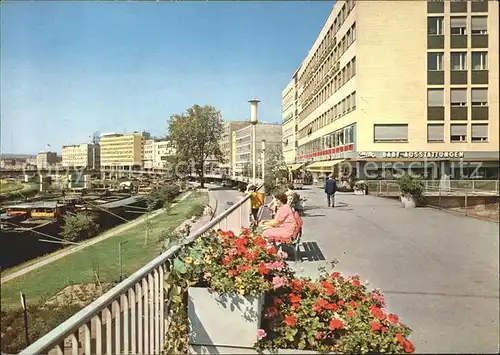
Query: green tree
x,y
276,169
196,135
78,227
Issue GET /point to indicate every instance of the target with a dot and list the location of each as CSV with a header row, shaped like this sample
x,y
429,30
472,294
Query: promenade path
x,y
439,271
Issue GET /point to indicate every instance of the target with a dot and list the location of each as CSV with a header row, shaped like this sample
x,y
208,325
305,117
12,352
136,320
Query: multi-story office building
x,y
156,153
46,160
226,145
402,82
85,155
122,151
243,138
148,154
289,126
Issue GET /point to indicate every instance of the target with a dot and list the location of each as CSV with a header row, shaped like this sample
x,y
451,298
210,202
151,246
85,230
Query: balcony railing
x,y
133,317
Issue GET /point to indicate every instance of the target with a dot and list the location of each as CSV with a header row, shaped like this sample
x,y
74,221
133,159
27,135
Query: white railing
x,y
385,187
133,317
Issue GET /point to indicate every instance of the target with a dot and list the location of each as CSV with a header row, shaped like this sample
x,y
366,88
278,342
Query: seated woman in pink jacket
x,y
282,227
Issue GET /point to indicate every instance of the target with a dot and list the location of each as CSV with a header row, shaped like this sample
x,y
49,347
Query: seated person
x,y
282,226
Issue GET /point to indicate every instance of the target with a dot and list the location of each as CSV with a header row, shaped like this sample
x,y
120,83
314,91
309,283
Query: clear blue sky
x,y
69,69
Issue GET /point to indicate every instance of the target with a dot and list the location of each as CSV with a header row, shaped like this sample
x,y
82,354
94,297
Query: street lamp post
x,y
263,147
254,120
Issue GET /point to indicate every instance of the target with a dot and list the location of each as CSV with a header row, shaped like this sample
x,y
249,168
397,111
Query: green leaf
x,y
180,266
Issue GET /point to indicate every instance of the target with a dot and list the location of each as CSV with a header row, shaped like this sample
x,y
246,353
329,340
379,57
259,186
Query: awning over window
x,y
324,166
294,167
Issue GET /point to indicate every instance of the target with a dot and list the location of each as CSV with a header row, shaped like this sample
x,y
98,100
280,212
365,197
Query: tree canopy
x,y
196,134
276,169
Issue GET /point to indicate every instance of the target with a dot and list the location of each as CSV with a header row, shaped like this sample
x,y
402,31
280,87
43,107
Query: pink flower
x,y
276,265
261,334
377,296
278,282
233,252
282,254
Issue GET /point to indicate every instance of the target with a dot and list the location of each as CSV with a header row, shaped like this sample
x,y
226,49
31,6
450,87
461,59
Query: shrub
x,y
360,185
79,227
196,210
41,320
334,314
163,196
411,186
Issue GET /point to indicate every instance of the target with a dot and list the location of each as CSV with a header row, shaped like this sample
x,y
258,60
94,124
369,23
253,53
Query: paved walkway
x,y
439,271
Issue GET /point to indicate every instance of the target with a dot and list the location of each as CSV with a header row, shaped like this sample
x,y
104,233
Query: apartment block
x,y
45,160
86,155
401,82
226,145
243,138
122,151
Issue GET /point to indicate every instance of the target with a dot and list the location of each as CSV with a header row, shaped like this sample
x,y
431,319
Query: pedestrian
x,y
330,189
256,203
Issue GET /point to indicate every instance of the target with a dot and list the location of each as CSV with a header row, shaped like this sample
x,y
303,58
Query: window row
x,y
315,78
458,25
457,6
342,108
335,139
458,133
330,36
332,86
458,97
458,61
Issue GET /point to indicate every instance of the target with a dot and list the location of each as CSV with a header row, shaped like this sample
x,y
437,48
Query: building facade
x,y
46,160
226,145
243,138
85,155
289,123
401,83
122,151
156,153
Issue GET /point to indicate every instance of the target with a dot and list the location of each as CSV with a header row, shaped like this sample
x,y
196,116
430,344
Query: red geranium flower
x,y
290,320
331,306
296,285
351,314
260,242
353,304
392,318
263,270
408,346
340,303
356,283
294,298
335,324
375,326
335,274
377,312
318,335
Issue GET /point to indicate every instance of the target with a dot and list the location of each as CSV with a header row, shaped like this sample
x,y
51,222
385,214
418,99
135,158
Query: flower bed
x,y
334,314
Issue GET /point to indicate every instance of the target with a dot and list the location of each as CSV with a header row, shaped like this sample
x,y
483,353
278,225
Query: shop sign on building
x,y
426,155
367,155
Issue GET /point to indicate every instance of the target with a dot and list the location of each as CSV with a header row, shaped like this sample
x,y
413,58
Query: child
x,y
255,201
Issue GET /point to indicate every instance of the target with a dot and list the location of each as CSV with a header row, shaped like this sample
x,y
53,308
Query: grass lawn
x,y
77,268
10,186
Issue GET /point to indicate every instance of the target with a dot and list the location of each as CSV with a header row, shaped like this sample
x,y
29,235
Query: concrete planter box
x,y
229,320
196,349
408,202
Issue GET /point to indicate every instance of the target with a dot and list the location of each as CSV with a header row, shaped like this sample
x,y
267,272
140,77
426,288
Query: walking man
x,y
330,189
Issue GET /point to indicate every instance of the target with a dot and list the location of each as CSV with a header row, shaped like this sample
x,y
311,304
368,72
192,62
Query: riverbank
x,y
99,263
